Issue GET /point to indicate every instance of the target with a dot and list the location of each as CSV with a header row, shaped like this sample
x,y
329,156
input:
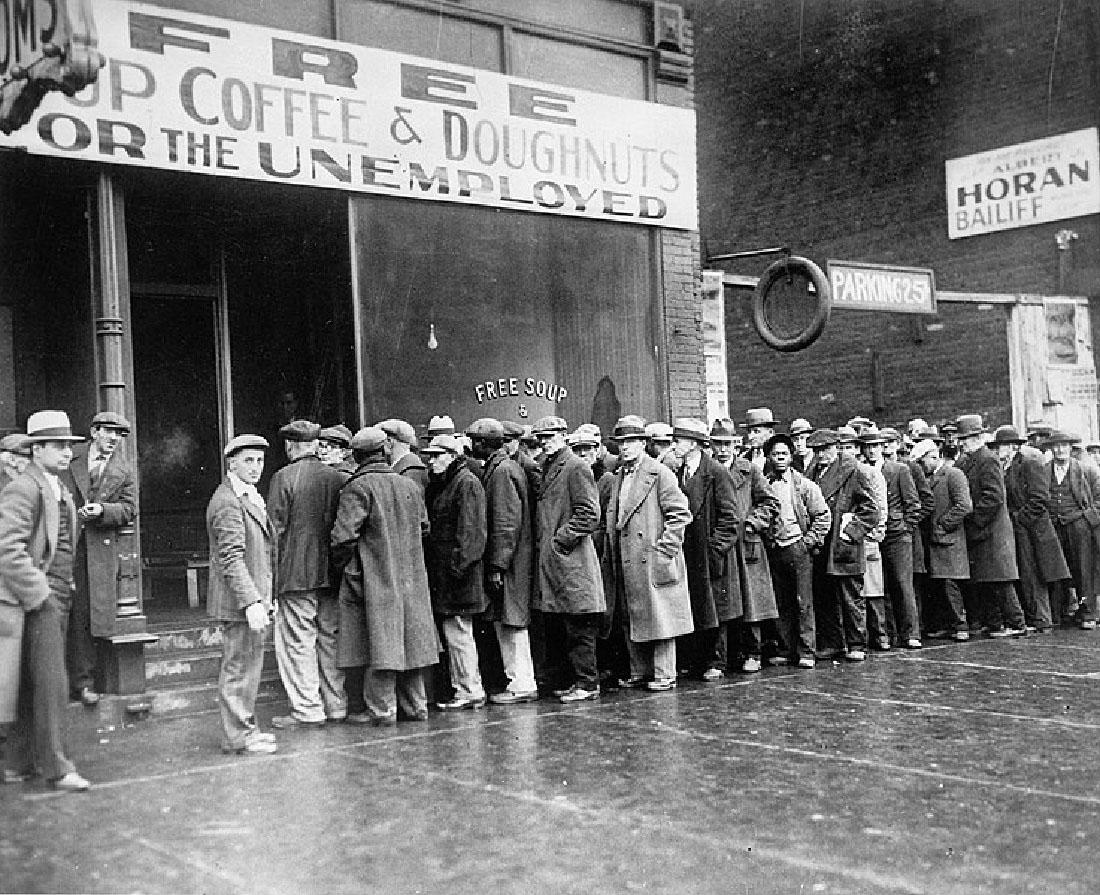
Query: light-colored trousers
x,y
385,691
653,658
458,631
515,652
305,647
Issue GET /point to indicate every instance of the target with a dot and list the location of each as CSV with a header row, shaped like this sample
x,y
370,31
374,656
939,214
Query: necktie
x,y
96,472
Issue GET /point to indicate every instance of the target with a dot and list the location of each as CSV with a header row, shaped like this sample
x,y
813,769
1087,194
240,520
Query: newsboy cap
x,y
512,429
243,442
300,430
486,427
399,430
369,439
16,443
339,434
690,427
443,444
547,425
108,419
582,436
823,438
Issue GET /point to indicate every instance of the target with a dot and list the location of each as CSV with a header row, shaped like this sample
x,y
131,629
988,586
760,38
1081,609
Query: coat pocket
x,y
845,551
664,569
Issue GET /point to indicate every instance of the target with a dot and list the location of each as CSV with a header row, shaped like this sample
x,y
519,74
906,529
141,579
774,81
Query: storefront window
x,y
420,33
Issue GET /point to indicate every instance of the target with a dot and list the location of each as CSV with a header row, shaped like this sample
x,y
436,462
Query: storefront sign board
x,y
879,287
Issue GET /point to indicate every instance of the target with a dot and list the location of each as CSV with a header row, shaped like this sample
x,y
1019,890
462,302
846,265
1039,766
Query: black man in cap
x,y
38,532
1075,508
101,480
301,504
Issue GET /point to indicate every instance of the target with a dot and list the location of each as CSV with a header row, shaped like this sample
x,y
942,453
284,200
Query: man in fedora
x,y
569,584
101,480
1038,551
643,559
38,534
802,455
708,540
724,442
1075,509
301,504
990,543
660,440
15,455
240,597
759,425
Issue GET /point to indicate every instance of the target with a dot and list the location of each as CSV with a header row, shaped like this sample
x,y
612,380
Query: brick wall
x,y
826,125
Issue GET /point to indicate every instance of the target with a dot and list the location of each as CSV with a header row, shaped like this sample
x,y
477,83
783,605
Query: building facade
x,y
347,211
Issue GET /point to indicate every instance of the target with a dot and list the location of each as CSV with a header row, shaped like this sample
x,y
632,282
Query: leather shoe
x,y
253,746
358,718
11,776
458,704
88,696
807,662
661,683
510,698
713,674
289,722
632,683
579,694
71,782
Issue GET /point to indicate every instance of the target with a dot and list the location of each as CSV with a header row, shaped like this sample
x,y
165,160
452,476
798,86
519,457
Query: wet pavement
x,y
962,768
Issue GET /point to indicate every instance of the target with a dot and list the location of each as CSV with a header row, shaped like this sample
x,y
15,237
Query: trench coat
x,y
990,544
708,540
927,502
29,522
243,555
569,578
456,541
1027,493
951,504
99,572
301,504
510,544
755,507
377,543
847,492
643,557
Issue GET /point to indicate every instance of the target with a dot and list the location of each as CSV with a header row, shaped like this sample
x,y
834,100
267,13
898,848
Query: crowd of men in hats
x,y
541,560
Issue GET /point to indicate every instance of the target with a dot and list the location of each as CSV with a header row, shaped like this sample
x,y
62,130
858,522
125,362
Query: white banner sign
x,y
1018,186
186,92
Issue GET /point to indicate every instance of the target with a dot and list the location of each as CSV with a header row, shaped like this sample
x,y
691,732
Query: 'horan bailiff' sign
x,y
878,287
1029,183
186,92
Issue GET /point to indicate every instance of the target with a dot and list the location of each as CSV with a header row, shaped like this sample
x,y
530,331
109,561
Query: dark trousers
x,y
34,738
1033,590
845,611
946,609
998,603
580,648
1077,545
792,580
80,648
897,569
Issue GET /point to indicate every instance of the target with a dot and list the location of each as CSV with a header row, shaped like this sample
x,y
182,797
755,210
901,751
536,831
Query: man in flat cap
x,y
1075,508
569,583
101,480
377,546
15,456
509,558
400,441
334,448
38,531
242,566
301,504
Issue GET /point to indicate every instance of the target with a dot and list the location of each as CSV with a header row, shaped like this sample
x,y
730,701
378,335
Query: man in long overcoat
x,y
301,504
569,582
1039,555
101,480
456,544
509,556
839,608
643,558
1075,509
386,619
243,559
947,563
990,543
708,540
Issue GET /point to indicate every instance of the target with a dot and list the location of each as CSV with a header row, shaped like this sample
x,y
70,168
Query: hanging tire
x,y
810,333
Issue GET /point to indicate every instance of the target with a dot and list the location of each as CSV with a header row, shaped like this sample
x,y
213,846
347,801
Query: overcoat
x,y
301,504
377,548
99,537
755,508
643,557
413,468
927,502
510,544
708,540
243,555
1027,493
874,578
847,493
569,578
29,522
990,543
456,541
951,504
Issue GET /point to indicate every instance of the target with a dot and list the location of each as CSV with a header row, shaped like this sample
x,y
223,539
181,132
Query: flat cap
x,y
486,427
922,449
339,434
441,425
582,436
659,431
399,430
800,426
548,424
691,427
111,420
443,444
527,436
300,430
591,429
243,442
512,430
368,439
16,443
823,438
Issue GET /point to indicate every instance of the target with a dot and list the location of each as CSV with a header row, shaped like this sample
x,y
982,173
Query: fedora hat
x,y
583,435
16,443
50,425
871,436
1059,436
723,431
629,426
929,433
758,416
442,444
1007,435
969,424
441,425
846,435
823,438
659,431
691,427
800,426
859,421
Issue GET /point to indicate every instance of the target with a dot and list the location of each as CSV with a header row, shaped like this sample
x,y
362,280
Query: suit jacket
x,y
903,503
1027,492
947,556
989,539
104,555
847,492
243,555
